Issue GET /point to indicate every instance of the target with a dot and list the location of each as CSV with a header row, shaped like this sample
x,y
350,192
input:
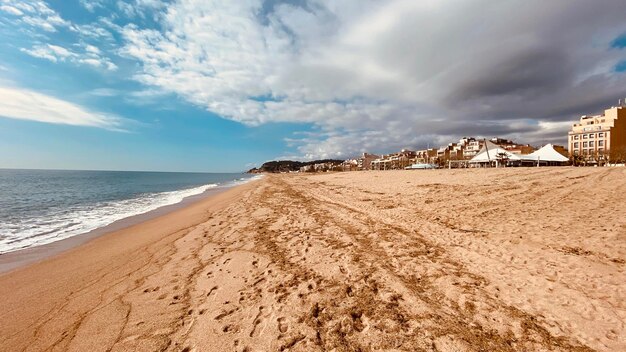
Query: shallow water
x,y
43,206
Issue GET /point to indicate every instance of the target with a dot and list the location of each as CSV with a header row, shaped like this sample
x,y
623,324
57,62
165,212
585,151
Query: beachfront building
x,y
426,156
453,151
405,158
350,165
520,149
322,167
512,147
382,163
561,149
472,147
600,137
365,161
394,161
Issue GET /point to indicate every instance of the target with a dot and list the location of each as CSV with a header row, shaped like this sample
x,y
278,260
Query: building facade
x,y
365,161
600,136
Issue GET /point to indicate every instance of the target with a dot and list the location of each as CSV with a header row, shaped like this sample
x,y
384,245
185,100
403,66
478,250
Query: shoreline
x,y
15,260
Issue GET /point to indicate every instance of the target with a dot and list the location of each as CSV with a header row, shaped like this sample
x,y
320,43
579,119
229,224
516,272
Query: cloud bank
x,y
382,75
25,104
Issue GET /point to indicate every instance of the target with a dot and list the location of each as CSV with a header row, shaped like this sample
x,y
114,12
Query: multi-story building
x,y
365,161
394,161
350,165
500,141
600,135
382,163
522,149
472,147
426,155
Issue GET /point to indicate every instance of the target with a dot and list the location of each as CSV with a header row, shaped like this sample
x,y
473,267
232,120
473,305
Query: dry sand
x,y
450,260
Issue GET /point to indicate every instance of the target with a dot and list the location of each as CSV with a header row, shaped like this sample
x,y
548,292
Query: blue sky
x,y
160,130
193,85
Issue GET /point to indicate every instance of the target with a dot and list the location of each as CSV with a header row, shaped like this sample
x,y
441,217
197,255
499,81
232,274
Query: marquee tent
x,y
546,153
491,153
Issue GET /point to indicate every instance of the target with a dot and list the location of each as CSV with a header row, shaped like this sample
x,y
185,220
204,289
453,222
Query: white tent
x,y
547,154
490,153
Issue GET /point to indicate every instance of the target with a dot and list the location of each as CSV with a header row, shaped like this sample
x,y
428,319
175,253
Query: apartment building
x,y
472,147
426,155
365,161
600,135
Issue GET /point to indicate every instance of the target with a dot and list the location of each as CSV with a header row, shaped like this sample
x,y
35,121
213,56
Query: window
x,y
591,135
575,145
584,136
600,143
576,137
591,144
600,150
600,134
584,144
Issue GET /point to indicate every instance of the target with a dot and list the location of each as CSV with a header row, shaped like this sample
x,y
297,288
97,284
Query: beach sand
x,y
528,259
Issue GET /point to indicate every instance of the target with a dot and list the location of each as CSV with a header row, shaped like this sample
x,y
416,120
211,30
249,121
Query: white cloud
x,y
35,13
125,8
92,5
12,10
51,52
60,51
93,31
140,7
104,92
39,22
90,55
92,49
25,104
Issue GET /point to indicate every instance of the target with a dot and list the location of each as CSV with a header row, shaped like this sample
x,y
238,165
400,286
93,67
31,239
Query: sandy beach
x,y
518,259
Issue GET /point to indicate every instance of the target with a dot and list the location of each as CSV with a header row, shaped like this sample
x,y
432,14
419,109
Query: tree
x,y
618,155
502,158
577,159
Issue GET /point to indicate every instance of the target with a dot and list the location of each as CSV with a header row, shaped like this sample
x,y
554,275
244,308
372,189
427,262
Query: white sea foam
x,y
81,219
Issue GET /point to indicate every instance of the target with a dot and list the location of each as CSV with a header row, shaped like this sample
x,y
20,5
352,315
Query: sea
x,y
43,206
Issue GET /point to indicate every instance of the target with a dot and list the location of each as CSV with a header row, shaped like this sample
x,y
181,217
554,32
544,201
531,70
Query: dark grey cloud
x,y
529,75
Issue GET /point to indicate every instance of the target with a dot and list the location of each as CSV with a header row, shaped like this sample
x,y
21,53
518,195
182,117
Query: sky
x,y
203,85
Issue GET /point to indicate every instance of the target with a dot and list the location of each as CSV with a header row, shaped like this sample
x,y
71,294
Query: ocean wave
x,y
81,219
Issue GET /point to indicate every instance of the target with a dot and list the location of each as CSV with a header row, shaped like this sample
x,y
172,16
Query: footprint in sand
x,y
225,314
282,325
230,328
257,320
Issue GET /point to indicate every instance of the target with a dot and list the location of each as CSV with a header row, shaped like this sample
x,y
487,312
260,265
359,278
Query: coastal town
x,y
594,140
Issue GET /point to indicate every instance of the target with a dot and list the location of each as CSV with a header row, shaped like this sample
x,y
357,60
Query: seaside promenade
x,y
514,259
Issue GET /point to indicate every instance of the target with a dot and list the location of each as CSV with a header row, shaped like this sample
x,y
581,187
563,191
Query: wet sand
x,y
13,260
436,260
